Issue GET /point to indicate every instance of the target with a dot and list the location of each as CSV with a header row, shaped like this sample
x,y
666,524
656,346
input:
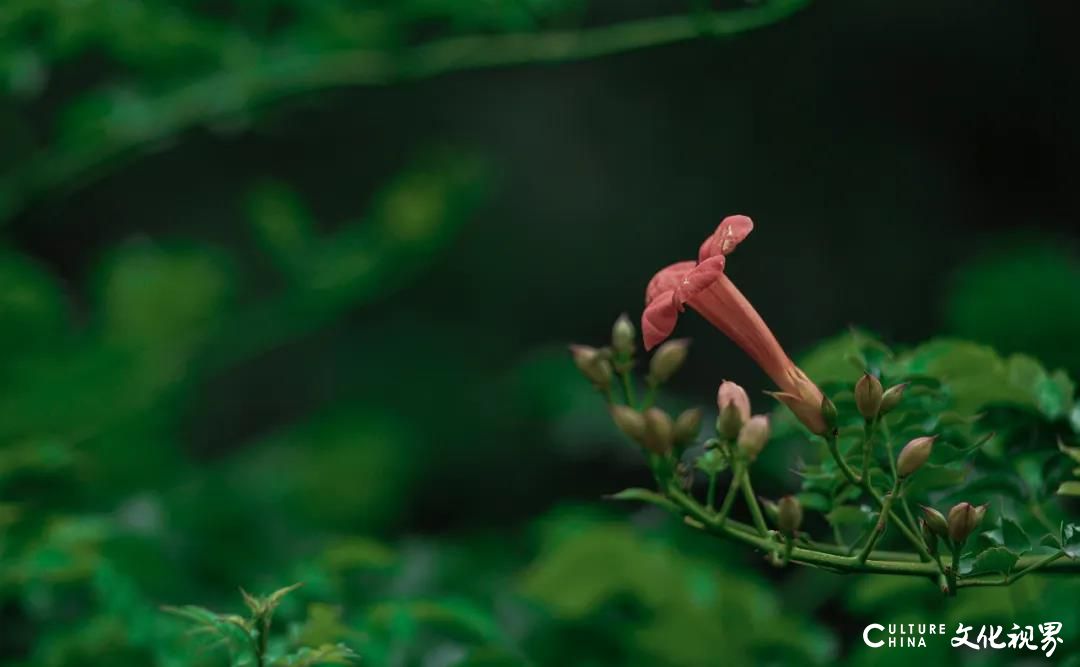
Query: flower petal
x,y
658,319
668,279
702,276
729,234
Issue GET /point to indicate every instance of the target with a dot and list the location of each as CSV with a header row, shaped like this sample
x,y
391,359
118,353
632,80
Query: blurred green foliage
x,y
196,412
1022,294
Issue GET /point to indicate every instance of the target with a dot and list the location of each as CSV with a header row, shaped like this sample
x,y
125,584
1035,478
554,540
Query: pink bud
x,y
753,436
734,395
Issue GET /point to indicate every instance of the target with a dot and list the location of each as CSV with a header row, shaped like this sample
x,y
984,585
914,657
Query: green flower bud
x,y
914,455
753,436
592,364
667,359
828,413
729,423
868,393
789,515
935,521
623,336
687,426
629,421
891,398
964,518
659,431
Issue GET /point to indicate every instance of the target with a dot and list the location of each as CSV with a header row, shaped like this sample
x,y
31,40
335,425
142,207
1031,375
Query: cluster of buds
x,y
873,400
962,521
599,365
750,433
655,430
652,428
594,364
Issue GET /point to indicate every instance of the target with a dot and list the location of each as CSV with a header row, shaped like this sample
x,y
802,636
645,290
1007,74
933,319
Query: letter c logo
x,y
866,635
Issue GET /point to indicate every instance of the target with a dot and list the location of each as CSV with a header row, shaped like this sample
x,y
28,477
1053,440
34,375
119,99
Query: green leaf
x,y
815,502
1072,452
1069,489
1050,540
712,462
328,654
1070,540
644,495
850,515
1014,537
995,559
933,477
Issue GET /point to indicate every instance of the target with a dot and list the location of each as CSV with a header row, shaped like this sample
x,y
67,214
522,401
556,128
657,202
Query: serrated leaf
x,y
995,559
229,628
1050,540
1013,536
274,599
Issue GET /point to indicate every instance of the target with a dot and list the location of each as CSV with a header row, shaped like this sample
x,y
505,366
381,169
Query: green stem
x,y
650,395
834,449
710,495
752,503
746,534
908,516
954,570
260,649
879,527
729,499
628,388
868,444
915,540
879,562
789,546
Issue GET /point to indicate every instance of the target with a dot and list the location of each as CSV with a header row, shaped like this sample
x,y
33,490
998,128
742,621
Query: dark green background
x,y
910,167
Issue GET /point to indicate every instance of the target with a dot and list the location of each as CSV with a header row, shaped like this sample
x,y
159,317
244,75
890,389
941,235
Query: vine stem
x,y
915,540
892,468
752,503
868,444
953,572
710,495
749,535
729,498
878,562
628,385
879,527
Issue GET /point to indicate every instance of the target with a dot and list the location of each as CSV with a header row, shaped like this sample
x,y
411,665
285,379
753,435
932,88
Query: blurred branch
x,y
230,93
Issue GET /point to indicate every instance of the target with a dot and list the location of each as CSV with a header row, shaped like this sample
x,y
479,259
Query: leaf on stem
x,y
994,559
646,496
